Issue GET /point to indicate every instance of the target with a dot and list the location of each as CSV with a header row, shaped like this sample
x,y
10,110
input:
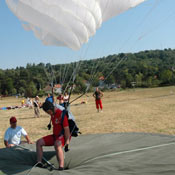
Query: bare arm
x,y
28,140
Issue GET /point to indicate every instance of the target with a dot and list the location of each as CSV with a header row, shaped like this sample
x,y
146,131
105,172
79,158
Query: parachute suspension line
x,y
171,14
83,56
104,69
73,80
63,74
60,75
80,95
86,51
73,76
123,59
37,162
77,67
67,68
95,70
87,48
140,24
146,16
67,84
94,74
50,79
29,172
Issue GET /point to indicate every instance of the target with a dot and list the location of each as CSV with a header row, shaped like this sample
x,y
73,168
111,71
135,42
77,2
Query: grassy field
x,y
140,110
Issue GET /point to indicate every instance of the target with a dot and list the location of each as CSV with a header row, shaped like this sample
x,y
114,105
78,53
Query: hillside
x,y
152,68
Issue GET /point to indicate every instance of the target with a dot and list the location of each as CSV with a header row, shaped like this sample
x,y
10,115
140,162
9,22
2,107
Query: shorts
x,y
50,140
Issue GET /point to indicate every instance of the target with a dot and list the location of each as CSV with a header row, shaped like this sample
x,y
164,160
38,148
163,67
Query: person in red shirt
x,y
61,100
59,138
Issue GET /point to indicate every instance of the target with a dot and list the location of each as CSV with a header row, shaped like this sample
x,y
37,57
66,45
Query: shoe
x,y
39,165
60,169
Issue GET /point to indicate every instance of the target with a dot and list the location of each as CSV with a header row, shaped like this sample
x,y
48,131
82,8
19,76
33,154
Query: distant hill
x,y
143,69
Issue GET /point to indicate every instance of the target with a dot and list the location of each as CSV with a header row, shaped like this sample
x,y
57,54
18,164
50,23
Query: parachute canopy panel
x,y
68,23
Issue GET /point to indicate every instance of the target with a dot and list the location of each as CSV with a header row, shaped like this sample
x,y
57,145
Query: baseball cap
x,y
13,120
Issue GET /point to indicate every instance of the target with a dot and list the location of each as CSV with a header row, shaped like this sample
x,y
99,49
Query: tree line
x,y
150,68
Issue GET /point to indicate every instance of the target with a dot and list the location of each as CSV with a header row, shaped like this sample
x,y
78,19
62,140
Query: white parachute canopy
x,y
68,23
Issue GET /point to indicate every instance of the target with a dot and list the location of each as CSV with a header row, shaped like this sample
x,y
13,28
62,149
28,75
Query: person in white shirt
x,y
66,99
13,134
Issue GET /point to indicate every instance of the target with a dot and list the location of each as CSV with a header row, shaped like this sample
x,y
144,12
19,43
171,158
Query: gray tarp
x,y
100,154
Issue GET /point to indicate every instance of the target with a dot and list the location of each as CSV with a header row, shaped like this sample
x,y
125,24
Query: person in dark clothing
x,y
98,95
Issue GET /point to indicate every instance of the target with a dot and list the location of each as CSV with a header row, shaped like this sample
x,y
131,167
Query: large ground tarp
x,y
100,154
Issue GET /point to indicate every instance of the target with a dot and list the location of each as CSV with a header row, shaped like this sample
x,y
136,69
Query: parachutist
x,y
60,136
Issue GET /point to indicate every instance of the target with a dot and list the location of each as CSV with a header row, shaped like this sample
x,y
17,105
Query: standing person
x,y
98,95
22,103
13,134
66,99
61,100
50,98
36,107
59,138
29,103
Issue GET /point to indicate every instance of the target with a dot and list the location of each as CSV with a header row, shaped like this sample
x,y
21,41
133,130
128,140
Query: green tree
x,y
139,78
31,90
14,91
166,76
21,91
9,85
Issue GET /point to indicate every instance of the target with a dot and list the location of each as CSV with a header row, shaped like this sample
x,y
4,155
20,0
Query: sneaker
x,y
39,165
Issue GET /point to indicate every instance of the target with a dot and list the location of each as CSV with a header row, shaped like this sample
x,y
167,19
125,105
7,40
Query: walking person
x,y
98,95
36,107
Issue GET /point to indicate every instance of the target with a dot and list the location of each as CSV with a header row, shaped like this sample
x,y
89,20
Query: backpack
x,y
74,130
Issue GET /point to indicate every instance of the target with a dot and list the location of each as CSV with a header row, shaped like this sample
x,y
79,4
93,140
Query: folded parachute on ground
x,y
67,23
114,154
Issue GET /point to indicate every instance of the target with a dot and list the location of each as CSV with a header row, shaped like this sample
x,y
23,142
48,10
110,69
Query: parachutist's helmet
x,y
48,106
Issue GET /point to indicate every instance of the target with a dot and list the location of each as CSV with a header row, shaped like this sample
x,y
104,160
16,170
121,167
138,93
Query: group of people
x,y
63,99
61,135
36,104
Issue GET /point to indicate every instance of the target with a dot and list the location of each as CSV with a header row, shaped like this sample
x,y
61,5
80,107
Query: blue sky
x,y
149,26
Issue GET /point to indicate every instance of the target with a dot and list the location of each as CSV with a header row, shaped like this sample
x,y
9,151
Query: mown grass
x,y
139,110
